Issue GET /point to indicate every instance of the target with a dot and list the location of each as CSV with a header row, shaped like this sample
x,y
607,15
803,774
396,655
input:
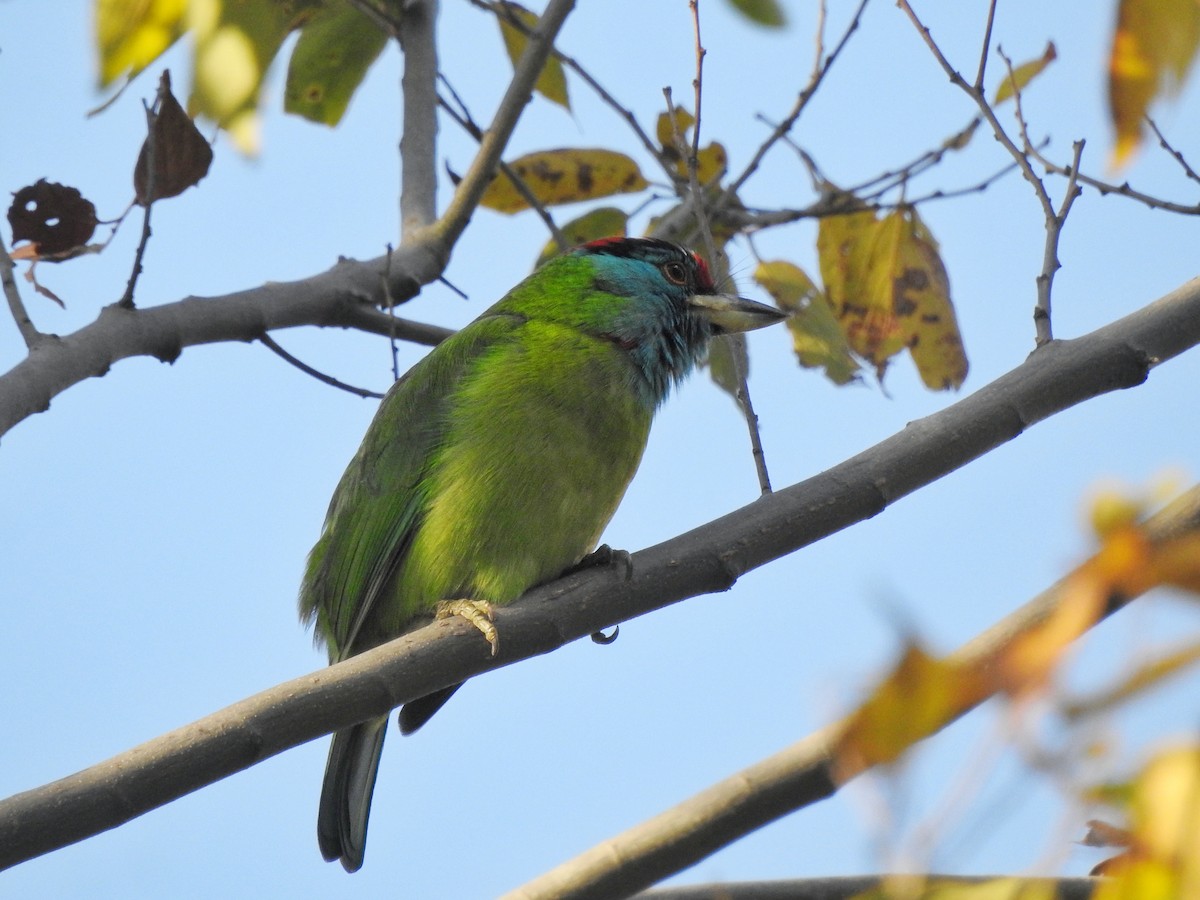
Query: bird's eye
x,y
675,273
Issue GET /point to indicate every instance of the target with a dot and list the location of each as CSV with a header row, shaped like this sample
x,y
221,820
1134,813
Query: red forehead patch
x,y
703,278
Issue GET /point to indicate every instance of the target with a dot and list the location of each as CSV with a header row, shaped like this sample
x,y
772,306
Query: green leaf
x,y
767,13
727,356
552,82
329,62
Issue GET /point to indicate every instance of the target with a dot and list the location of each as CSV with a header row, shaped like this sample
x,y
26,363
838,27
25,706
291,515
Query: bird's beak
x,y
729,313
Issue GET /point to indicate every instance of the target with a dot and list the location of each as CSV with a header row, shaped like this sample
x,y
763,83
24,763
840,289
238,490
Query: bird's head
x,y
662,306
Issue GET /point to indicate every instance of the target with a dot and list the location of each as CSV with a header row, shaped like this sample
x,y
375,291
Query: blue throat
x,y
655,327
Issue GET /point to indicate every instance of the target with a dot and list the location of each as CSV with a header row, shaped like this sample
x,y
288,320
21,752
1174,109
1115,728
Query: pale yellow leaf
x,y
564,176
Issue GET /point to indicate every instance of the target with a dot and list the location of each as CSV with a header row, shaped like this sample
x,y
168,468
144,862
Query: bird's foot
x,y
605,556
477,612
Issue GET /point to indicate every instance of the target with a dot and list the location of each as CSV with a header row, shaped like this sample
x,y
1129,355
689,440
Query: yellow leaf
x,y
889,290
1164,812
606,221
922,300
131,34
816,337
666,134
235,44
1153,47
1023,74
552,82
843,253
711,161
921,695
1144,678
564,176
1028,660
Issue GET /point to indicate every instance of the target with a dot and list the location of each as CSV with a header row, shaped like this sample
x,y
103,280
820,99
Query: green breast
x,y
542,436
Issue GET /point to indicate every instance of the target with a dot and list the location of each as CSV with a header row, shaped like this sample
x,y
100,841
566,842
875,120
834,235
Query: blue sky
x,y
156,520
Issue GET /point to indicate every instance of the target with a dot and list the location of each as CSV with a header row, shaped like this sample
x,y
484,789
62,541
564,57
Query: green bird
x,y
494,464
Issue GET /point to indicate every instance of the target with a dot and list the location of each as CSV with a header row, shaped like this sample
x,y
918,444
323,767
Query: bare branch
x,y
16,305
795,777
346,296
462,116
1177,155
520,89
418,141
709,558
267,341
987,46
850,886
1021,157
152,110
792,117
571,63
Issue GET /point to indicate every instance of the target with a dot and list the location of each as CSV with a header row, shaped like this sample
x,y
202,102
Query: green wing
x,y
380,501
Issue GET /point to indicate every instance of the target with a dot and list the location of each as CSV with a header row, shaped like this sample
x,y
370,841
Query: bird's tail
x,y
346,793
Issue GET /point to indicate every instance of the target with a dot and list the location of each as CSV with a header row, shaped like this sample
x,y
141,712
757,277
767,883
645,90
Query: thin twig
x,y
1055,220
525,75
1162,142
126,301
798,107
269,342
462,116
1053,225
16,305
986,49
735,344
390,306
384,20
571,63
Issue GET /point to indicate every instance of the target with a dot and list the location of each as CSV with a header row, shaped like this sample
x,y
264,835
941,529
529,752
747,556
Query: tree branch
x,y
418,141
707,559
848,887
16,305
345,296
520,89
796,777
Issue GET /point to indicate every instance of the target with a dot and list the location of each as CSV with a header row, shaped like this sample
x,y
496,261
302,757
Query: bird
x,y
494,464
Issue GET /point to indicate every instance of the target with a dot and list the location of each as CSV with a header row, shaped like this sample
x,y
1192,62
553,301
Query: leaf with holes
x,y
56,219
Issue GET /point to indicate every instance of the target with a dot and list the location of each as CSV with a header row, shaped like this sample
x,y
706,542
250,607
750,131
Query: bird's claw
x,y
478,612
599,637
605,556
